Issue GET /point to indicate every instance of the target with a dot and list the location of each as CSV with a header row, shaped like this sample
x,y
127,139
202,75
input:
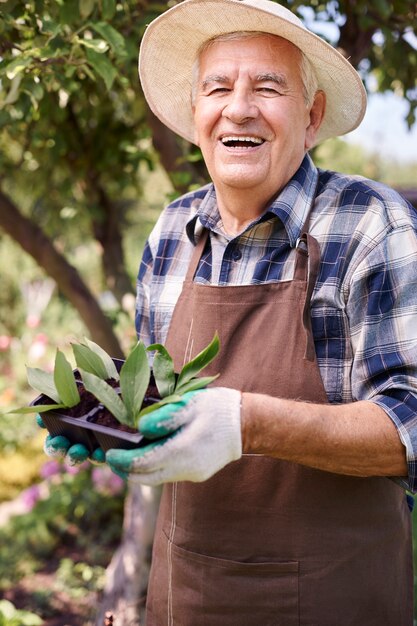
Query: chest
x,y
264,261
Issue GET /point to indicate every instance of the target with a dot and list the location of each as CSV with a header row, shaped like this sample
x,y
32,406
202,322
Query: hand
x,y
195,438
60,447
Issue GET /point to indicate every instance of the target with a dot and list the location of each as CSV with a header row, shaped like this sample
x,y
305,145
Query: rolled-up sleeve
x,y
382,312
142,317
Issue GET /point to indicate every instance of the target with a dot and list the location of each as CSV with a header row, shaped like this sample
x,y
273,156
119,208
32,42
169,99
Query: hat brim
x,y
171,43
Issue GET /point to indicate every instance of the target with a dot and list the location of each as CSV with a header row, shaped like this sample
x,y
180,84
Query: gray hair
x,y
308,76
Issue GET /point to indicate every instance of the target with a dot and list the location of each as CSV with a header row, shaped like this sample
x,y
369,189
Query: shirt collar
x,y
292,205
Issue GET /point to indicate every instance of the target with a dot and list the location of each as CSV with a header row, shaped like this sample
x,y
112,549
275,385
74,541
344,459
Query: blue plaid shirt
x,y
364,306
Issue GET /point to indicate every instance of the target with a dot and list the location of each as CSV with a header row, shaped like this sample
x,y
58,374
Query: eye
x,y
217,90
268,91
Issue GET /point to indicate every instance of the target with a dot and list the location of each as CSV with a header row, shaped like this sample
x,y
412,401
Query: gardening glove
x,y
59,446
194,439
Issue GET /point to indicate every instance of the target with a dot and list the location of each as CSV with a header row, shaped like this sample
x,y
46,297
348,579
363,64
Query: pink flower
x,y
38,348
74,469
106,482
50,468
32,320
30,496
5,342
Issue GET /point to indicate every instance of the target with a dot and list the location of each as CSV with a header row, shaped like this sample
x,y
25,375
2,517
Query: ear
x,y
195,127
316,116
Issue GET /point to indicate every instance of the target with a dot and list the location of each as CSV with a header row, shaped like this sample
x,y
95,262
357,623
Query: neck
x,y
239,208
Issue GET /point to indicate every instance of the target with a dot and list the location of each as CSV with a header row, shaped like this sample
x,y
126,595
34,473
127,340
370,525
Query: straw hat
x,y
171,42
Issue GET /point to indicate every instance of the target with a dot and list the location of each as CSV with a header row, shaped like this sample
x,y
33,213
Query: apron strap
x,y
196,256
307,265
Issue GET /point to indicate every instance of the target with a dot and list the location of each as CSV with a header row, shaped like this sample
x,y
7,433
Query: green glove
x,y
59,446
165,421
194,438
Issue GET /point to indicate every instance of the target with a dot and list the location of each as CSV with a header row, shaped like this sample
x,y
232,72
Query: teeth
x,y
247,139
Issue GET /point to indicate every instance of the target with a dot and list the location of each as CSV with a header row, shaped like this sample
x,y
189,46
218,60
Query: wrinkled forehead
x,y
262,52
278,46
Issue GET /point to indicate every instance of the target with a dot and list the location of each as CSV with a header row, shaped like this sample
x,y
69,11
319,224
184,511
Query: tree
x,y
377,37
74,125
74,129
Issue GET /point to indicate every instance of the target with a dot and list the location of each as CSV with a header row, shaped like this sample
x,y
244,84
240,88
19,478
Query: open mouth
x,y
233,141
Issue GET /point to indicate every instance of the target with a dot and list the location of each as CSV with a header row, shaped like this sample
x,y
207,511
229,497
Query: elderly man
x,y
284,486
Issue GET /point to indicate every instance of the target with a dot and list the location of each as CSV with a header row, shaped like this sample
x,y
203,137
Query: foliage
x,y
79,578
75,142
169,383
72,112
10,616
377,37
135,375
69,107
20,462
73,134
92,358
75,514
339,155
96,367
76,157
59,385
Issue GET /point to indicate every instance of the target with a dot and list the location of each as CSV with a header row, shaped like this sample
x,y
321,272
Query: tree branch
x,y
172,157
34,241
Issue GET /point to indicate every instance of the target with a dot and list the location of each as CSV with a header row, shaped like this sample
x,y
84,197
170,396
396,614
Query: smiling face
x,y
251,118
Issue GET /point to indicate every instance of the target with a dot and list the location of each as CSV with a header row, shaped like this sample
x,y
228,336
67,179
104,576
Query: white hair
x,y
308,76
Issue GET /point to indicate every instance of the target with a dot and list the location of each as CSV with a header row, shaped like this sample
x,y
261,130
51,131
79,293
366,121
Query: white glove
x,y
204,435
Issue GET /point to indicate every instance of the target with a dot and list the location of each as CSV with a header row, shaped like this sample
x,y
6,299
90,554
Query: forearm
x,y
356,439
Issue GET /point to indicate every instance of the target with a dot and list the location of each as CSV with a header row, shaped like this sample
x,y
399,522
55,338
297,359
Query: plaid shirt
x,y
364,306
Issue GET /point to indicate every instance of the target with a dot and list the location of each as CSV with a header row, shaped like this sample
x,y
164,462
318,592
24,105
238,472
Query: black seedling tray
x,y
84,430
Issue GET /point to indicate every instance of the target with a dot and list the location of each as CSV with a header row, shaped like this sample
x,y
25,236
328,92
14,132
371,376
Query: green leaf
x,y
112,36
108,9
196,383
194,367
105,357
69,11
38,408
43,382
16,66
97,45
89,361
107,396
17,617
102,66
163,370
383,7
157,405
65,381
134,380
86,7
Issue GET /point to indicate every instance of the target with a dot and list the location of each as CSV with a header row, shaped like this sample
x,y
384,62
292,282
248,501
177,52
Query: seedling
x,y
59,385
125,401
135,376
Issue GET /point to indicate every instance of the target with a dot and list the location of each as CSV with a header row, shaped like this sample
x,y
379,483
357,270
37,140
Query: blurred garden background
x,y
85,169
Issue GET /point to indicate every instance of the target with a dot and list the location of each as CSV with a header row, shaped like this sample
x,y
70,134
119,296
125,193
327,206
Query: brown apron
x,y
268,542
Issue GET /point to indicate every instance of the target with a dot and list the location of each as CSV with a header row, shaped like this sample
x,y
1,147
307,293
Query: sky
x,y
384,130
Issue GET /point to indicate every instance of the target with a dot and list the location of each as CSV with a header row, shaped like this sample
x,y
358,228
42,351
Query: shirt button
x,y
236,255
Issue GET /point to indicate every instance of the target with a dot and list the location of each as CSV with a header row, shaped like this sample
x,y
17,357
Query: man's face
x,y
251,119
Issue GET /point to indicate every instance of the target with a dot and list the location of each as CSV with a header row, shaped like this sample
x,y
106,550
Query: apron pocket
x,y
212,591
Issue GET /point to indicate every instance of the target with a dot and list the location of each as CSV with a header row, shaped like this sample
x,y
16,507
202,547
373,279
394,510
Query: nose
x,y
240,105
